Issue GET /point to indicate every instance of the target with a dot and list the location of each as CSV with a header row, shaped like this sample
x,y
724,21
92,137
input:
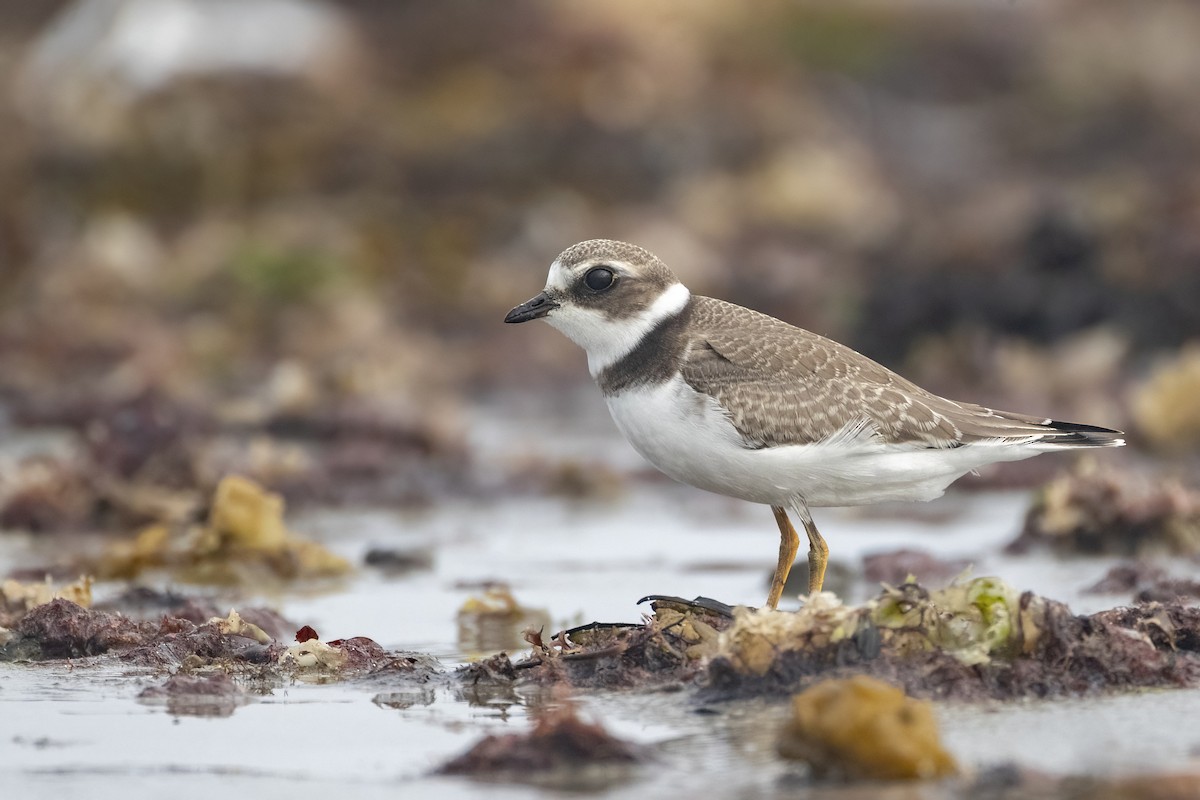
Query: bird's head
x,y
605,296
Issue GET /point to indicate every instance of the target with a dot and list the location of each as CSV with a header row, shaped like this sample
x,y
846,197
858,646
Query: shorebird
x,y
745,405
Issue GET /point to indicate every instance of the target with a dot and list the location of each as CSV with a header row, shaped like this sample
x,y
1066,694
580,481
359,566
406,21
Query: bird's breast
x,y
687,435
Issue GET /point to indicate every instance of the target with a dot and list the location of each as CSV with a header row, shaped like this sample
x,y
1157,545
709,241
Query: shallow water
x,y
78,728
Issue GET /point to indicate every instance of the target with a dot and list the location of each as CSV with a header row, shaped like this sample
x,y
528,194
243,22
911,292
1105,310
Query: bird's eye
x,y
599,278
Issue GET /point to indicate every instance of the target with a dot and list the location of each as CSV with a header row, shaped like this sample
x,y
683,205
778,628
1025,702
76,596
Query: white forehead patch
x,y
605,339
559,278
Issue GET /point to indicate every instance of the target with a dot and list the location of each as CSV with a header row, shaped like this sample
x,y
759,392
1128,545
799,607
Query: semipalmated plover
x,y
745,405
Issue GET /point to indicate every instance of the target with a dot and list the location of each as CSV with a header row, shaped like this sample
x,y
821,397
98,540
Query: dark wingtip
x,y
1079,435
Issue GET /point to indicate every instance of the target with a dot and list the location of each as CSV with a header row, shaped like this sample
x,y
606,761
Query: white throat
x,y
606,339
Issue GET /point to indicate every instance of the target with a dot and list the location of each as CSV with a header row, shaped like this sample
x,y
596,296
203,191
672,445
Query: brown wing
x,y
784,385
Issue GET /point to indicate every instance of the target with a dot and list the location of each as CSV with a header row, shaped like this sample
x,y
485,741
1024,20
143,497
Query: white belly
x,y
689,437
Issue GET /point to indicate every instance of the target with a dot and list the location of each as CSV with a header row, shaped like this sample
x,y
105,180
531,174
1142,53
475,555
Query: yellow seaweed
x,y
862,728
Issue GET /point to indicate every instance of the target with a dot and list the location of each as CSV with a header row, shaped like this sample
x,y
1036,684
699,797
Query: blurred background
x,y
278,237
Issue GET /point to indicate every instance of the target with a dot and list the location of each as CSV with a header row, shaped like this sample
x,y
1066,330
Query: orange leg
x,y
818,554
789,545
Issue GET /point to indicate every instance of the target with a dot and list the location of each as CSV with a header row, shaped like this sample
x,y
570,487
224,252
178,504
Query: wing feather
x,y
784,385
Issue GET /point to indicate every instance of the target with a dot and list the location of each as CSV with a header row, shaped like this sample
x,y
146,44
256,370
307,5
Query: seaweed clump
x,y
17,599
562,750
864,729
245,541
973,640
667,648
1147,583
215,695
63,629
230,644
315,661
1091,512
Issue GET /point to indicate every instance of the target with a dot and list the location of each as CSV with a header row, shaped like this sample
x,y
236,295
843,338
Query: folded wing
x,y
784,385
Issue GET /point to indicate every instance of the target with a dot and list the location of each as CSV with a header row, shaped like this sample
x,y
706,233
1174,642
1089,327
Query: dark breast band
x,y
653,360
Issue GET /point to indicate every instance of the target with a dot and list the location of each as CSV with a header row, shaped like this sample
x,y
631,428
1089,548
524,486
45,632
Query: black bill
x,y
534,308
